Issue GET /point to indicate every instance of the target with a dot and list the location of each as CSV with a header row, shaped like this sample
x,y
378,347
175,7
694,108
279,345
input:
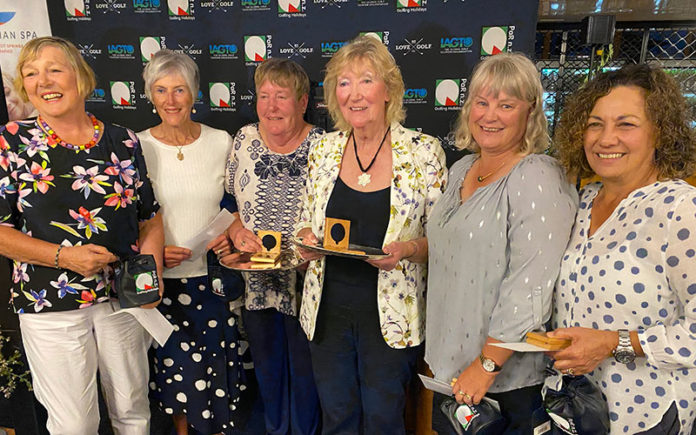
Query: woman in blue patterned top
x,y
626,293
75,197
266,173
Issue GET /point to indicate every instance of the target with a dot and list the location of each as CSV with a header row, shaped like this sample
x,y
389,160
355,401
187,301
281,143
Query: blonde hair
x,y
515,75
282,72
85,76
365,48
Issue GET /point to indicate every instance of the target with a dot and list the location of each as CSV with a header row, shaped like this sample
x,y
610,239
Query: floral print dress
x,y
52,193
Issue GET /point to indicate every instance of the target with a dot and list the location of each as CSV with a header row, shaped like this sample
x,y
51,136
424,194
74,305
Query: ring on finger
x,y
243,242
570,371
219,251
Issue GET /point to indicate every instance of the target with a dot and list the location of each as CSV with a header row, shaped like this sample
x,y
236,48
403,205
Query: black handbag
x,y
481,419
574,405
223,282
136,281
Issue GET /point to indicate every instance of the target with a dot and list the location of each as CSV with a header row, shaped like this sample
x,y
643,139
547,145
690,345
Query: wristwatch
x,y
489,365
624,352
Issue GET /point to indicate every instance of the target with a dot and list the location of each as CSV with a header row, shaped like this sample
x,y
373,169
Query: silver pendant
x,y
364,179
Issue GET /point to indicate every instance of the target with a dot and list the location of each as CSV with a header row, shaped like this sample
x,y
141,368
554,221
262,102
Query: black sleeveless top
x,y
368,213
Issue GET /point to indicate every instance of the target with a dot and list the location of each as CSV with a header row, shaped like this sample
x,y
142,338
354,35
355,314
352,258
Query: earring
x,y
193,110
154,110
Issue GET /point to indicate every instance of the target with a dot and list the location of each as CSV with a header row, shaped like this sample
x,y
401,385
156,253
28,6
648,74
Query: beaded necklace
x,y
52,134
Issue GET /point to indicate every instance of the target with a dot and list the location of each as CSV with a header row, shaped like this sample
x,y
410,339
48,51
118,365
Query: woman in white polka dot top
x,y
626,294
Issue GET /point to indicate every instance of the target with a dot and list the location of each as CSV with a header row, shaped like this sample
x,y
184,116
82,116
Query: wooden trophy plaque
x,y
270,251
336,234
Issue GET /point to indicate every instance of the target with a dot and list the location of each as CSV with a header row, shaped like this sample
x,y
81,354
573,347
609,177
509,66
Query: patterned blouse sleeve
x,y
541,213
314,159
9,215
147,204
674,345
435,174
233,162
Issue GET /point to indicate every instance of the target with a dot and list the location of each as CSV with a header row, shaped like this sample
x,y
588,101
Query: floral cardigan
x,y
419,175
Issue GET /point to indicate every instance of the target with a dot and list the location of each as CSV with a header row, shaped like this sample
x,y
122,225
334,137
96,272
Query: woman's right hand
x,y
174,255
307,237
245,240
86,260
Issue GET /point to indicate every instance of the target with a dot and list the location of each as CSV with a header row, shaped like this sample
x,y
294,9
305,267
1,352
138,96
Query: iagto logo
x,y
146,6
77,10
257,48
123,95
223,96
456,44
329,48
449,93
415,96
223,51
98,95
255,5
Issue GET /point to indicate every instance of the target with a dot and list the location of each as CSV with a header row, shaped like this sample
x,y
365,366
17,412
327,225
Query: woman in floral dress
x,y
74,198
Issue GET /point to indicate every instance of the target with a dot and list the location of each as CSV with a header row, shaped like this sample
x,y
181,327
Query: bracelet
x,y
55,261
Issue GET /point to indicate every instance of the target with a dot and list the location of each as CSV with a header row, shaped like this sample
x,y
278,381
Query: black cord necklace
x,y
365,178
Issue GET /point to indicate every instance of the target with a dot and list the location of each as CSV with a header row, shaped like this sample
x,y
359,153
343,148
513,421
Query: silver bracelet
x,y
55,261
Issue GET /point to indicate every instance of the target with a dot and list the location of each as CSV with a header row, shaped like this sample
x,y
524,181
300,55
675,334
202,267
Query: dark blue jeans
x,y
284,372
361,380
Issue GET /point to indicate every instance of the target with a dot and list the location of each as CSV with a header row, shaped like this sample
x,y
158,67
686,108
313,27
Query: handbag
x,y
481,419
226,283
574,406
136,281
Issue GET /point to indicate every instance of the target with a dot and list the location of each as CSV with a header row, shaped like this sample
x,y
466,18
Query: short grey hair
x,y
166,62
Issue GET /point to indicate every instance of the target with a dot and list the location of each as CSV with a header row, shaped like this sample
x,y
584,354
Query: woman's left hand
x,y
220,245
588,349
397,251
472,384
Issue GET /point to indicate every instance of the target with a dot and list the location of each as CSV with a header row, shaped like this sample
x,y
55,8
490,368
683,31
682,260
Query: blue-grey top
x,y
493,265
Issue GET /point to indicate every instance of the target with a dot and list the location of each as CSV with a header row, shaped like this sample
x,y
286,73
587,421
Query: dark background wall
x,y
432,40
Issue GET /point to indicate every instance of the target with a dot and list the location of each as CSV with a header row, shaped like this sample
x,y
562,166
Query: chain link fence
x,y
564,59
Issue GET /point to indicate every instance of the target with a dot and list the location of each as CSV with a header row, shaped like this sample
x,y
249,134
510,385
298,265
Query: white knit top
x,y
189,190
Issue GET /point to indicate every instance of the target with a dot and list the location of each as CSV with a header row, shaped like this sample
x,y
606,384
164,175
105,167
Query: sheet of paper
x,y
216,227
436,385
520,347
152,320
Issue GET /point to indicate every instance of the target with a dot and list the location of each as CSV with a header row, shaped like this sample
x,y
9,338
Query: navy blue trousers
x,y
283,370
361,380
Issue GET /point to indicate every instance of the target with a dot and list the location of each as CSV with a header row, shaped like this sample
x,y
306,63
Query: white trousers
x,y
65,350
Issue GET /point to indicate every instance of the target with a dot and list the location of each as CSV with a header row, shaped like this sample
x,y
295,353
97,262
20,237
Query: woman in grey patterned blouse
x,y
495,241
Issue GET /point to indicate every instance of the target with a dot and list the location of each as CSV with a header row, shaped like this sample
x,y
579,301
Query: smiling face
x,y
51,84
619,138
279,112
172,99
362,96
498,122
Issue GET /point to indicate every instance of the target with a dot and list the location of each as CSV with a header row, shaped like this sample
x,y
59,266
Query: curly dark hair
x,y
665,106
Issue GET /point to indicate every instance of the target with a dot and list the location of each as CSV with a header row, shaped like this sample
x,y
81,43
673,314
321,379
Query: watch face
x,y
625,356
488,365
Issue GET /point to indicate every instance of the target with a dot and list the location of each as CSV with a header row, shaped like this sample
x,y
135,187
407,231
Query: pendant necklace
x,y
481,178
179,155
365,178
